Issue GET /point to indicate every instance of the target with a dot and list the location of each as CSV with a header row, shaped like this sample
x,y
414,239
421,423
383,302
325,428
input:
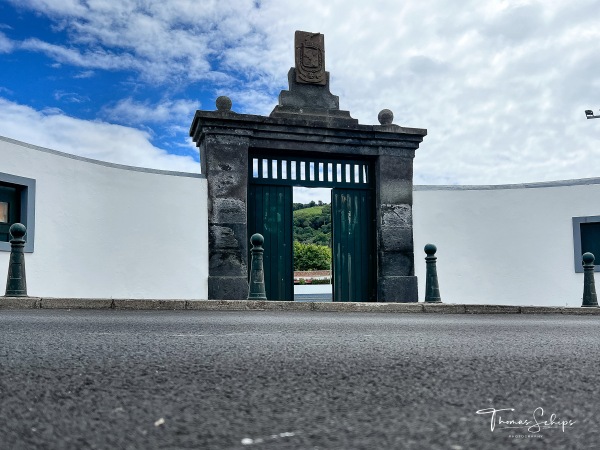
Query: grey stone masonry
x,y
313,100
306,122
226,140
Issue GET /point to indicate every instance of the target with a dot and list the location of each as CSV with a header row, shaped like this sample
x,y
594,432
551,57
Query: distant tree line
x,y
312,236
312,223
311,257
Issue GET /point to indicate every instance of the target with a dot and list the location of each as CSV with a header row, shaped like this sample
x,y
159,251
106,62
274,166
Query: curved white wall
x,y
104,230
504,244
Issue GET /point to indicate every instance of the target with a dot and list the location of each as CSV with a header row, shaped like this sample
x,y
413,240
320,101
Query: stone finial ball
x,y
17,230
257,240
223,103
385,117
430,249
588,258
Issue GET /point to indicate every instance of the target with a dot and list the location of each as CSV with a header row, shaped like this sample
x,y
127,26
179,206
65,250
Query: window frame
x,y
27,213
577,221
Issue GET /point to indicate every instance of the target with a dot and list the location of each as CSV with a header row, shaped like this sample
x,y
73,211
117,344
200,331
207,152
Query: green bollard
x,y
589,286
256,290
432,288
16,284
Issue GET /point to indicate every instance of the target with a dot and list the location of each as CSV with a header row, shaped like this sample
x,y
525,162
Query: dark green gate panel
x,y
354,265
270,214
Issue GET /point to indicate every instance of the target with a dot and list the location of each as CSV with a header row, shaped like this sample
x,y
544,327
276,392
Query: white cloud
x,y
500,85
130,111
93,139
306,195
84,74
94,58
70,97
163,41
6,45
58,7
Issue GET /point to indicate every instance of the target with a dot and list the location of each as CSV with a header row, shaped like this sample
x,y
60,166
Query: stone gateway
x,y
252,162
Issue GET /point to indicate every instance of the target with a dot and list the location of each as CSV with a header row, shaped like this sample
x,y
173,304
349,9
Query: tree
x,y
312,225
311,257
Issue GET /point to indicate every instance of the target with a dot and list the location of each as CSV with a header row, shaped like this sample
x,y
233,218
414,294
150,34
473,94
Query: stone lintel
x,y
294,138
240,124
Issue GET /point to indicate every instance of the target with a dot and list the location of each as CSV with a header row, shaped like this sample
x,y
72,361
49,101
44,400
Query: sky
x,y
501,86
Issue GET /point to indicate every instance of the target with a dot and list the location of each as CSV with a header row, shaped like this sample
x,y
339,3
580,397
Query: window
x,y
3,212
17,203
586,238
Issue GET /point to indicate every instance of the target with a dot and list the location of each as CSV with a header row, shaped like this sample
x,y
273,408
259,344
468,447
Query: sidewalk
x,y
254,305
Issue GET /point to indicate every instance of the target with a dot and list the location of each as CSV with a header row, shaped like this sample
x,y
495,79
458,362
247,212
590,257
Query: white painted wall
x,y
504,245
104,230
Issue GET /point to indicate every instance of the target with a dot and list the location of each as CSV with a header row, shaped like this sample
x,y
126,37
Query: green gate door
x,y
271,177
353,256
271,216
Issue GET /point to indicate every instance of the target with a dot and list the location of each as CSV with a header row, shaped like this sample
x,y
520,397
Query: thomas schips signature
x,y
534,424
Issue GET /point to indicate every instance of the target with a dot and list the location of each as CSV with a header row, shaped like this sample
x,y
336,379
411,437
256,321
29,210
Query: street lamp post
x,y
590,114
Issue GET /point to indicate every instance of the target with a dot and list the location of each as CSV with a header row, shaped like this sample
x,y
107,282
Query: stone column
x,y
225,161
396,278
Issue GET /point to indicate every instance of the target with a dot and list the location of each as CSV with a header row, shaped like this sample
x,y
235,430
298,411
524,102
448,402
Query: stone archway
x,y
307,121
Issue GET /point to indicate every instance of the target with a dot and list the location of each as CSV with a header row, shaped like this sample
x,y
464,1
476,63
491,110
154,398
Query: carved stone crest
x,y
310,58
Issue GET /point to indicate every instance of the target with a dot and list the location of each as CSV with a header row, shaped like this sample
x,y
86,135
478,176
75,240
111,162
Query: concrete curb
x,y
20,303
257,305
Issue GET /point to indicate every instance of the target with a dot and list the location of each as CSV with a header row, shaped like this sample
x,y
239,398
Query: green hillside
x,y
306,213
312,223
312,236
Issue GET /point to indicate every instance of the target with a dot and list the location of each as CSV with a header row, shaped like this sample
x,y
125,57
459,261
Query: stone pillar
x,y
225,161
396,278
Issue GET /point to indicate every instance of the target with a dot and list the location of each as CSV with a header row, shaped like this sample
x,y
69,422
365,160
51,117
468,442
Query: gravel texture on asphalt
x,y
292,380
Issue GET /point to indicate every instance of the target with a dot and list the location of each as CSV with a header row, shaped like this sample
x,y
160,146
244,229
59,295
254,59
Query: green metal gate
x,y
270,214
353,258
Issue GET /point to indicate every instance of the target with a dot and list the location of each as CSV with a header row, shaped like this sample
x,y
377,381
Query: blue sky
x,y
501,86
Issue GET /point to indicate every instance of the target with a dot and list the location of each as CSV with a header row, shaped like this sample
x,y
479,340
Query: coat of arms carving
x,y
310,58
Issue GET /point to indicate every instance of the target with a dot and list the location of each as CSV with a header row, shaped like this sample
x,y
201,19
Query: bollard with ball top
x,y
432,289
256,290
16,285
589,286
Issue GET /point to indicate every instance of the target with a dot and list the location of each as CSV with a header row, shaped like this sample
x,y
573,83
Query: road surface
x,y
270,380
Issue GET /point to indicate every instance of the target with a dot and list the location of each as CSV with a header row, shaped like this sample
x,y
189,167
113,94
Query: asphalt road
x,y
267,380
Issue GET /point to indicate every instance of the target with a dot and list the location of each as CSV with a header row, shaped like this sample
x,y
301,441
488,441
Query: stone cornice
x,y
261,130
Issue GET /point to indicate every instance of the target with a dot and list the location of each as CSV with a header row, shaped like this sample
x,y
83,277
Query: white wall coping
x,y
102,163
423,187
487,187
